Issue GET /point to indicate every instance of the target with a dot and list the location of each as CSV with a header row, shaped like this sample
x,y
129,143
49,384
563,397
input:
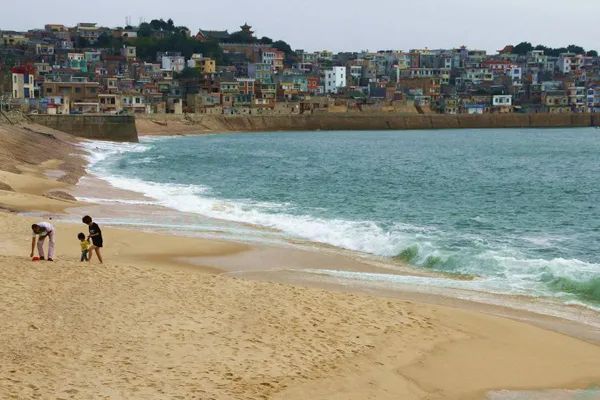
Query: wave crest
x,y
588,290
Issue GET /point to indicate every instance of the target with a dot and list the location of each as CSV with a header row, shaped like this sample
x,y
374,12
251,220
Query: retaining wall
x,y
117,128
197,123
351,121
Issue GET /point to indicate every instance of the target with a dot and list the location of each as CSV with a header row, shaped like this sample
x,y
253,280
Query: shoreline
x,y
248,338
211,207
297,254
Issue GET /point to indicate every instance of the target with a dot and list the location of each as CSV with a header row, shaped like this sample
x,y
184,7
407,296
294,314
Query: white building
x,y
23,83
173,63
537,57
335,79
268,56
568,62
515,73
133,103
502,100
76,56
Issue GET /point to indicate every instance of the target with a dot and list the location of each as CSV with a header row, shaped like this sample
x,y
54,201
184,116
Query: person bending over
x,y
41,231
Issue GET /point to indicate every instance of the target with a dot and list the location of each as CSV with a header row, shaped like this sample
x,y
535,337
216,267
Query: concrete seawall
x,y
116,128
197,123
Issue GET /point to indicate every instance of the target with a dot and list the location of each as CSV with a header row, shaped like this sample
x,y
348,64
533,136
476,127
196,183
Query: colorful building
x,y
23,82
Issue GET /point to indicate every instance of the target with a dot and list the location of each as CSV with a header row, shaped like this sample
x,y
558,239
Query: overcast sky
x,y
343,25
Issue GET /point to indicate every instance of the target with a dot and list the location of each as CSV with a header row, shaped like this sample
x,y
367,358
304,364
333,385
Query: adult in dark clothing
x,y
95,237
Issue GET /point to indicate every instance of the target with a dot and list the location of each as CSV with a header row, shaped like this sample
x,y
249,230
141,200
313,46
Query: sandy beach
x,y
153,322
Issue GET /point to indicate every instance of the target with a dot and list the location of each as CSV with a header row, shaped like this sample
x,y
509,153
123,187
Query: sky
x,y
343,25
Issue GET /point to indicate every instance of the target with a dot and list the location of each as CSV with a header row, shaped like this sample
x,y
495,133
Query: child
x,y
85,246
95,236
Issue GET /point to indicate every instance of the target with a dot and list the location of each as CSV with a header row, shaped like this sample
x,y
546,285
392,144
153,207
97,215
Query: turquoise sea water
x,y
519,209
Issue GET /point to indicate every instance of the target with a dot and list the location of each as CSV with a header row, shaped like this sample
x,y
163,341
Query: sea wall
x,y
197,123
117,128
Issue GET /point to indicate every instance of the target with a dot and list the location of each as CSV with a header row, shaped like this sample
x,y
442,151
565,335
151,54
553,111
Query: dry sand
x,y
147,325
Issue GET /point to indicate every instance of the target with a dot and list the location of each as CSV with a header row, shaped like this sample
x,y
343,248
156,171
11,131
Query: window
x,y
48,90
77,90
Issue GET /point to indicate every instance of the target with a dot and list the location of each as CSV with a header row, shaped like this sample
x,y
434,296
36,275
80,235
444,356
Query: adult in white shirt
x,y
43,230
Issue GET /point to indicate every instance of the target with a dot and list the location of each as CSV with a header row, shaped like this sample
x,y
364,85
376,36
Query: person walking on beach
x,y
41,230
95,236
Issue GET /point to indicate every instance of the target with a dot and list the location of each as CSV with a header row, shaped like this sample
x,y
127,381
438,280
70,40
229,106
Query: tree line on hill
x,y
525,47
160,36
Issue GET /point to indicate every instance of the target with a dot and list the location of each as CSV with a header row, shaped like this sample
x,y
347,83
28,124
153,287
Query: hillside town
x,y
159,67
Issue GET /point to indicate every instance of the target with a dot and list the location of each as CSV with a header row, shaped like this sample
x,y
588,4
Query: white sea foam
x,y
100,200
527,269
543,240
98,151
485,290
513,274
365,236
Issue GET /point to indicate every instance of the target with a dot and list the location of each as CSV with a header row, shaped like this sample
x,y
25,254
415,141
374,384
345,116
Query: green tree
x,y
107,41
555,52
81,43
158,24
592,53
283,46
147,47
145,30
523,48
240,37
575,49
104,40
189,73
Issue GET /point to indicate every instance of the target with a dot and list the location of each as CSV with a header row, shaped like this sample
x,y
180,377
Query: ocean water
x,y
517,210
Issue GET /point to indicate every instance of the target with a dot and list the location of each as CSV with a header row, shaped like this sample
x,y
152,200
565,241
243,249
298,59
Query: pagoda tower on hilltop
x,y
247,30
